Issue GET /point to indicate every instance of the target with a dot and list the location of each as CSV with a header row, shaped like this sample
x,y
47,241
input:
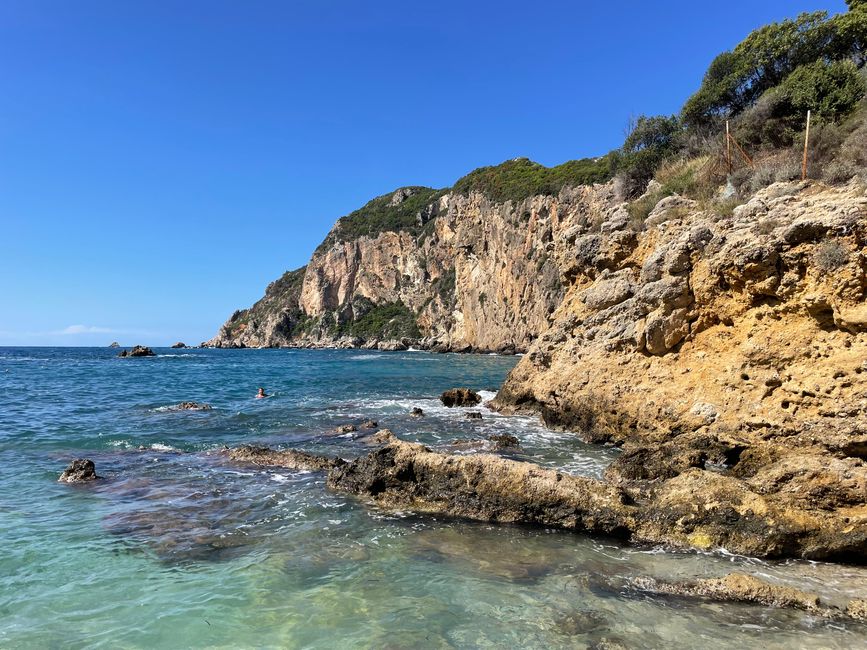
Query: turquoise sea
x,y
178,548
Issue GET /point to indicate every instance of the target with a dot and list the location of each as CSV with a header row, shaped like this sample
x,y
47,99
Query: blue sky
x,y
161,162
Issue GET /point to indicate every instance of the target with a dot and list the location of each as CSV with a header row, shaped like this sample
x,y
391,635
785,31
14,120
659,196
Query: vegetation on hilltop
x,y
518,179
385,214
764,86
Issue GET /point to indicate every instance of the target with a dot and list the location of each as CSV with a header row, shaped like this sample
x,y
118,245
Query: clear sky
x,y
161,162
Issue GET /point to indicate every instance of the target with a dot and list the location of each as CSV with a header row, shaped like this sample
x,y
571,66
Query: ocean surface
x,y
180,548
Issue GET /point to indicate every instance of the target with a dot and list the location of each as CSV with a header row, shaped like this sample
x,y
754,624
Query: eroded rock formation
x,y
726,354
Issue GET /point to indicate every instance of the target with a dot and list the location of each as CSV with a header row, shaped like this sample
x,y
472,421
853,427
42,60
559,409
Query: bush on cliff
x,y
735,80
391,320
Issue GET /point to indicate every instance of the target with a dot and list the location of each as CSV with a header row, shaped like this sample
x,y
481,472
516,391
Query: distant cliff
x,y
475,267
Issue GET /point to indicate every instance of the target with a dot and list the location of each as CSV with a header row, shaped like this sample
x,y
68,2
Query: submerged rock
x,y
416,412
473,415
137,351
192,406
741,587
460,397
369,424
80,470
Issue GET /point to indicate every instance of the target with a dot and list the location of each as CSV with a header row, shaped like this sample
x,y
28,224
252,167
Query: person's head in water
x,y
261,392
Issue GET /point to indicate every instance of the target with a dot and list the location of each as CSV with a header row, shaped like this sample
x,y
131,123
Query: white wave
x,y
158,446
366,357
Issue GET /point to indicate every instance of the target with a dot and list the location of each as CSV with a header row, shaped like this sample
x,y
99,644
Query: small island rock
x,y
460,397
179,345
80,470
137,351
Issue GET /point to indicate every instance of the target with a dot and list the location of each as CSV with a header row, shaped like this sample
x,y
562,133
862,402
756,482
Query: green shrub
x,y
650,142
830,90
736,79
391,320
518,179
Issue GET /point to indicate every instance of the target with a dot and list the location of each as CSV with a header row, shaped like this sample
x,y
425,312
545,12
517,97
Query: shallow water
x,y
178,548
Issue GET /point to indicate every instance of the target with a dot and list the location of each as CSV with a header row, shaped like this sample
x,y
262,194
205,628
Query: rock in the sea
x,y
179,345
473,415
460,397
504,441
193,406
114,344
416,412
484,487
137,351
369,424
289,458
80,470
346,428
697,508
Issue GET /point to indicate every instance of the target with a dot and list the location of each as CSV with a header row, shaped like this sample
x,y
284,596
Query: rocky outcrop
x,y
468,274
290,459
460,397
80,470
696,509
179,345
114,344
137,351
726,355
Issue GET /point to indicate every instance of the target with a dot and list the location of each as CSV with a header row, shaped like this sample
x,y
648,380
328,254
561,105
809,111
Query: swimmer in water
x,y
261,394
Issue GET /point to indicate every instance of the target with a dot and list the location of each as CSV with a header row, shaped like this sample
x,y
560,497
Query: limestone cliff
x,y
727,353
458,272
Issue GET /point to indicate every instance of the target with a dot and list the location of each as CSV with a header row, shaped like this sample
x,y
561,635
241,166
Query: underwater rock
x,y
460,397
137,351
369,424
473,415
582,622
192,406
741,587
80,470
289,458
416,412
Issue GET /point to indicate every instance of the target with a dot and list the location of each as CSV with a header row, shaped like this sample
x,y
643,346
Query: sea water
x,y
177,547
